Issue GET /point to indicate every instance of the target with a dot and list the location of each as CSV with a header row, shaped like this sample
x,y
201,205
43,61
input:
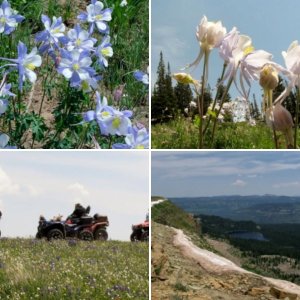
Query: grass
x,y
54,128
37,269
181,133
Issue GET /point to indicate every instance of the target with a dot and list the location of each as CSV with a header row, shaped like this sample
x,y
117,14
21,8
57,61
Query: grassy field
x,y
183,134
37,269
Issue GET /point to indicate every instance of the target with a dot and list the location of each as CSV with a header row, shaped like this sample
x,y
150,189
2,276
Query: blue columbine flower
x,y
80,39
9,18
4,95
75,66
142,77
110,120
137,138
102,111
89,84
25,63
104,51
52,35
96,16
4,139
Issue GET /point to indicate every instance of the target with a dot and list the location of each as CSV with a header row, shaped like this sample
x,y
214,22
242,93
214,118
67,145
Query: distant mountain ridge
x,y
263,209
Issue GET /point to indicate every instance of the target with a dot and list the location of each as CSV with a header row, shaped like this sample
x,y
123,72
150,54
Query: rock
x,y
281,294
257,291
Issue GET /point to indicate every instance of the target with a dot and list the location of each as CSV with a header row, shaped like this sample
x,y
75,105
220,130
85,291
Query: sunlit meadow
x,y
73,269
221,122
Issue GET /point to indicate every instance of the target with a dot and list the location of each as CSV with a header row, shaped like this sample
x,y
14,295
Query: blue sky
x,y
199,173
115,184
272,25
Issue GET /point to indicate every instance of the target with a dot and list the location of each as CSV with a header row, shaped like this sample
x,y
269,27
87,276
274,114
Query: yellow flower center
x,y
76,67
98,17
105,114
57,30
30,66
78,42
85,85
248,50
116,123
105,52
2,20
140,147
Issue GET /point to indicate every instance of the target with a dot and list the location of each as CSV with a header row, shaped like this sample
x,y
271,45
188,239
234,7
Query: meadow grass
x,y
72,269
182,133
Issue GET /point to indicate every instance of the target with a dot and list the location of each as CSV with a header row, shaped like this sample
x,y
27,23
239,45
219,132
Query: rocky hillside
x,y
185,267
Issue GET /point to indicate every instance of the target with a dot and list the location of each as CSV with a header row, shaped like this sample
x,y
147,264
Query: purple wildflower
x,y
9,18
142,77
52,35
104,51
75,66
137,138
25,63
110,120
96,16
80,39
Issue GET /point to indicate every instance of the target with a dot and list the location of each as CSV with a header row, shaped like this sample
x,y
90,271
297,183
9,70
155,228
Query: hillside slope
x,y
178,272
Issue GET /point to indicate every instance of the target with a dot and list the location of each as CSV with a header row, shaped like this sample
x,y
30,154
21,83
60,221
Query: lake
x,y
247,235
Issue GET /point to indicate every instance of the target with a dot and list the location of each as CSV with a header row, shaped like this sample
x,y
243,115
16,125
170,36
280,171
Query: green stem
x,y
296,118
201,100
221,106
44,85
216,97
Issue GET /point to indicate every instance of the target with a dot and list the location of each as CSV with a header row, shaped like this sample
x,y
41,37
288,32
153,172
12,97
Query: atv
x,y
140,232
85,228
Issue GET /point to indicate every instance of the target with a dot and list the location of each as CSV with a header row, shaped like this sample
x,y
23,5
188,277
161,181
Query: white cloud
x,y
252,176
78,189
286,184
7,186
239,183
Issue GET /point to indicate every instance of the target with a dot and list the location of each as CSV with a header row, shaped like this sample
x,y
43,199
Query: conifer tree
x,y
158,104
184,96
170,98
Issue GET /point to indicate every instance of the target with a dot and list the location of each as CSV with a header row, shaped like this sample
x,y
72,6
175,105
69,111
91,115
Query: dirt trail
x,y
216,264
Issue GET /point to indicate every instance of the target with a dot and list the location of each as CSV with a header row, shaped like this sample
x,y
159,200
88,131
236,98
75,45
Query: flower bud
x,y
279,118
183,78
268,77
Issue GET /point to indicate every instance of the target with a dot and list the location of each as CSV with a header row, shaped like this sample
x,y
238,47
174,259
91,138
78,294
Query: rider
x,y
78,212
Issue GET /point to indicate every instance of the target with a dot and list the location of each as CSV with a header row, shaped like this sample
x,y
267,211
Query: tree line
x,y
168,102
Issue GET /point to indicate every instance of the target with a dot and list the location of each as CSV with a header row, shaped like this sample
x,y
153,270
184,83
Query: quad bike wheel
x,y
145,236
38,235
55,234
100,234
86,235
134,237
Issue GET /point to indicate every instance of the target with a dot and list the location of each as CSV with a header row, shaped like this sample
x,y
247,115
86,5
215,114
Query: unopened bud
x,y
268,77
184,78
279,118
